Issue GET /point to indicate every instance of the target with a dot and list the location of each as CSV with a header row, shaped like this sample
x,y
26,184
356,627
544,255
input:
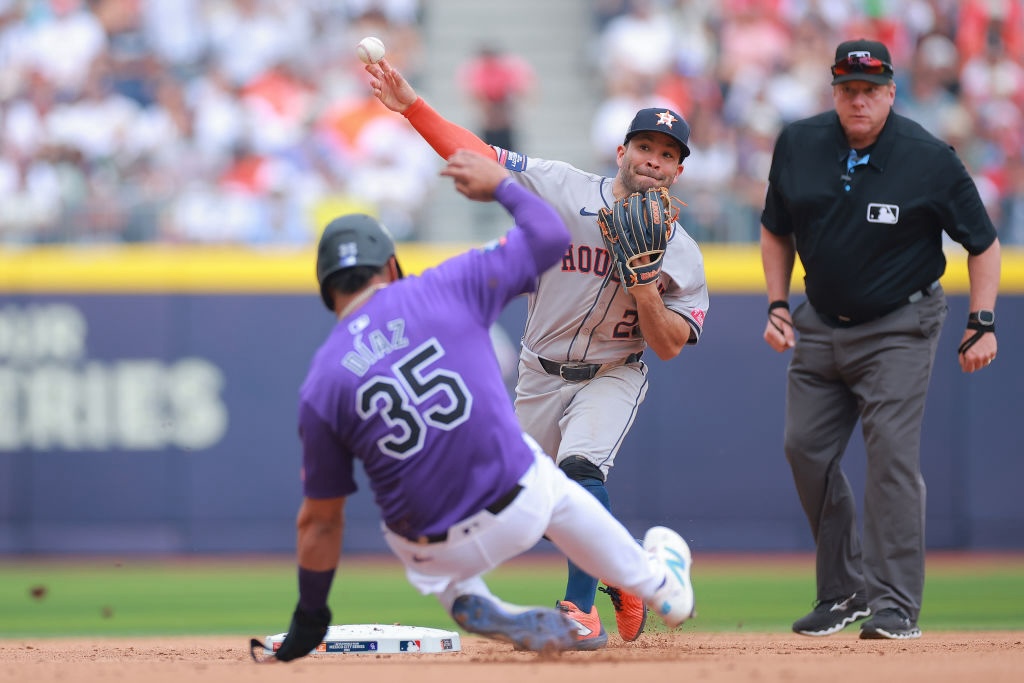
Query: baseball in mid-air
x,y
370,50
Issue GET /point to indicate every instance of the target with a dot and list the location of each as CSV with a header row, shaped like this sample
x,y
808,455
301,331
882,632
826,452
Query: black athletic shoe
x,y
890,623
832,616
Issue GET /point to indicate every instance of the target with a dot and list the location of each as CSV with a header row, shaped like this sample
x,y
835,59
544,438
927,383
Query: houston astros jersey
x,y
579,310
409,383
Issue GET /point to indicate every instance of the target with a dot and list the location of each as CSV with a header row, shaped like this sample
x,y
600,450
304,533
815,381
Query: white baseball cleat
x,y
673,601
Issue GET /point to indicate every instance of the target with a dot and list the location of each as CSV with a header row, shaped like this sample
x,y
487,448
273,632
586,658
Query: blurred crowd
x,y
739,70
219,121
249,121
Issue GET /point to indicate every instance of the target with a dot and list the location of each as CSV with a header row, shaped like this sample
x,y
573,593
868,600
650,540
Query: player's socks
x,y
580,587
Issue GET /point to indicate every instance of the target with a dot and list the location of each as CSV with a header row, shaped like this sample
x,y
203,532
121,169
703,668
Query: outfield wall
x,y
147,404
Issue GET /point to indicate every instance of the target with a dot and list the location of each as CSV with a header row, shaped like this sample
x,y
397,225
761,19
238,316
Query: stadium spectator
x,y
139,107
497,81
640,39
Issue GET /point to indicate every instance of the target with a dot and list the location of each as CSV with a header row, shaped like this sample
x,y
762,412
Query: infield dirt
x,y
990,656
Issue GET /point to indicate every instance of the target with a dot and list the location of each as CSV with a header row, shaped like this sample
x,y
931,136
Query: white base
x,y
378,639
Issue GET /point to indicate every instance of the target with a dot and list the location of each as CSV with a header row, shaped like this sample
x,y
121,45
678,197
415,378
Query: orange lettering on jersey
x,y
602,259
587,259
569,261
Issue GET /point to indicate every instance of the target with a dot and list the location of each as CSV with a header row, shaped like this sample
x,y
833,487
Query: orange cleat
x,y
590,632
630,612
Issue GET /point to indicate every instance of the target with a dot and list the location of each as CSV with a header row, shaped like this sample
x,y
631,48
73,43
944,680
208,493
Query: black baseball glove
x,y
306,632
636,227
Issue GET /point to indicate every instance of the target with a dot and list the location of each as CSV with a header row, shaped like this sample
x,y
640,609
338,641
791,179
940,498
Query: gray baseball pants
x,y
876,372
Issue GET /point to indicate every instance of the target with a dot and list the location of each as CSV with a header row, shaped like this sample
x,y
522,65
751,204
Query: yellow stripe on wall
x,y
736,269
732,269
177,269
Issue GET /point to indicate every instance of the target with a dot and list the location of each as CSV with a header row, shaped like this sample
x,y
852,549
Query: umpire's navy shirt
x,y
869,242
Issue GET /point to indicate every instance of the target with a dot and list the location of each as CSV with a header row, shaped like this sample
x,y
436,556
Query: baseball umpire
x,y
407,382
581,377
864,197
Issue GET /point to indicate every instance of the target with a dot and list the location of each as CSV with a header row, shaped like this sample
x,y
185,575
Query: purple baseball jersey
x,y
409,383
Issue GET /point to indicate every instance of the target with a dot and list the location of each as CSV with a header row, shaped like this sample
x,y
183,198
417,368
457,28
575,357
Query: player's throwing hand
x,y
390,87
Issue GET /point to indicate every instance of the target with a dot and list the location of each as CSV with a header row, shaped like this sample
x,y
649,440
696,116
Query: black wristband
x,y
979,332
306,631
975,325
778,303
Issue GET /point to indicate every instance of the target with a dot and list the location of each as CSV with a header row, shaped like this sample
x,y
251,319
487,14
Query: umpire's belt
x,y
494,508
847,321
574,371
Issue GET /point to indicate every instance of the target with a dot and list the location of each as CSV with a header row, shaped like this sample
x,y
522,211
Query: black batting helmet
x,y
352,240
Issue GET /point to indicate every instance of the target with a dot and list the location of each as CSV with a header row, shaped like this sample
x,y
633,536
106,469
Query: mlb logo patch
x,y
883,213
513,161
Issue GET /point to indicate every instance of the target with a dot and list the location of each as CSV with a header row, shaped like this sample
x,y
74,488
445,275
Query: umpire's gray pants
x,y
877,372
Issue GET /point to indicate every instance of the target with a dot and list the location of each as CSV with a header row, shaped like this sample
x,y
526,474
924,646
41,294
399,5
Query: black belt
x,y
847,321
494,508
575,371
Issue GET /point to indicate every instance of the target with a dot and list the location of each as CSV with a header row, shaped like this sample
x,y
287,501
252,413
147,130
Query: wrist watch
x,y
984,318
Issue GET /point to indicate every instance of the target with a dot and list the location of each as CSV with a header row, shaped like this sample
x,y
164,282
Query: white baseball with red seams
x,y
370,50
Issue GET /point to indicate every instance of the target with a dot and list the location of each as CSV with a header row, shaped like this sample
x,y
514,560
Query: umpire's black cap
x,y
352,240
661,120
862,60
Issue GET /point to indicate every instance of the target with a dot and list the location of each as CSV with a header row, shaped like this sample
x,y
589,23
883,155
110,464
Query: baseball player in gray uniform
x,y
581,377
407,382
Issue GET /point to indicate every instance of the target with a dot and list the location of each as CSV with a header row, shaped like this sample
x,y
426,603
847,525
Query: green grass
x,y
256,597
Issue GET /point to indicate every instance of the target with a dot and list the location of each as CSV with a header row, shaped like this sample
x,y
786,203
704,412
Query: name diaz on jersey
x,y
375,346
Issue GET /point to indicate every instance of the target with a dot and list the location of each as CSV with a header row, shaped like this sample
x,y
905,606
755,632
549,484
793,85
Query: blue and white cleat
x,y
673,601
534,629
